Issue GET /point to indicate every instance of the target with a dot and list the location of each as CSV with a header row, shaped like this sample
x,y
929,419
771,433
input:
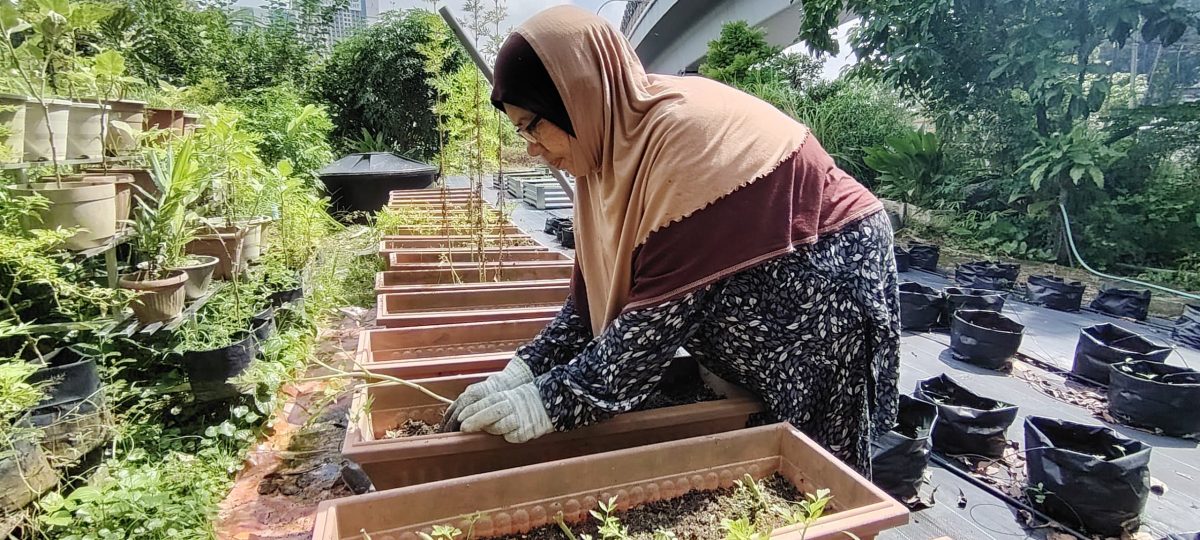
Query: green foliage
x,y
288,128
472,130
911,166
164,226
740,49
1064,159
376,80
17,395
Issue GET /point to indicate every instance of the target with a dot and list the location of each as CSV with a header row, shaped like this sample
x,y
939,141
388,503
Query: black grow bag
x,y
920,306
566,236
900,456
209,371
71,378
1092,477
967,424
903,259
263,324
984,338
1187,327
1056,293
924,256
996,276
1128,303
554,224
1108,343
1155,396
287,296
965,298
362,182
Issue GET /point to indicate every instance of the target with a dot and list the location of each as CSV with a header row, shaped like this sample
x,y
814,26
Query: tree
x,y
376,81
738,50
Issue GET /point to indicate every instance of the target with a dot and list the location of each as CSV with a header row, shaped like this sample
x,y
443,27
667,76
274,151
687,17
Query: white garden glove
x,y
518,414
513,375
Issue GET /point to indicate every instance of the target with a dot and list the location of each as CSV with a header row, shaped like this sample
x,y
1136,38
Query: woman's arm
x,y
617,371
559,342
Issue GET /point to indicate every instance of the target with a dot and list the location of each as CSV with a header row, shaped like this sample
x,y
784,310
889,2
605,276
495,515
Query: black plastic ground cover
x,y
1087,476
1056,293
900,456
967,423
1128,303
966,298
1105,344
984,338
903,259
1187,327
921,307
924,256
994,275
1155,396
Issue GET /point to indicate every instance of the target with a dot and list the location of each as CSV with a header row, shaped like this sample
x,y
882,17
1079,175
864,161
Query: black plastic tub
x,y
900,456
1127,303
287,296
924,256
566,236
996,276
1155,396
920,306
71,378
984,338
966,298
362,182
209,371
1105,344
555,224
1056,293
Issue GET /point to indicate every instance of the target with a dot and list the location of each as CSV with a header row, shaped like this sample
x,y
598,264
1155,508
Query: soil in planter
x,y
694,516
412,428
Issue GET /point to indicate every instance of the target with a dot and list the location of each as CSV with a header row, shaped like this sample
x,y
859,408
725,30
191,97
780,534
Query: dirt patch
x,y
412,428
694,516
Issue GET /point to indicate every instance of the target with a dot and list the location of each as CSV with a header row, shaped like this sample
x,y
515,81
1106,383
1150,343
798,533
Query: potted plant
x,y
222,340
163,231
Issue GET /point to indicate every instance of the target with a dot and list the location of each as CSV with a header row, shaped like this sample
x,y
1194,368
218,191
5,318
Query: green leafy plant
x,y
911,166
166,225
739,50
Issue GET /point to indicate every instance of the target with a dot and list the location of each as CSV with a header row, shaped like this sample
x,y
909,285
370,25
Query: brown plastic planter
x,y
490,254
396,243
422,352
226,244
413,280
491,267
413,460
400,310
440,230
519,499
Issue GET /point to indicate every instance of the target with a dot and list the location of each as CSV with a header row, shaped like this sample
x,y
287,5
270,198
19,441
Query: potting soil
x,y
412,428
694,516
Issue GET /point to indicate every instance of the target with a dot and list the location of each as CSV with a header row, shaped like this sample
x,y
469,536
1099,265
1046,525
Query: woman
x,y
704,219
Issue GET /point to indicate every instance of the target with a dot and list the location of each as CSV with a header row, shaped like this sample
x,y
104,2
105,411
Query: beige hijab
x,y
657,148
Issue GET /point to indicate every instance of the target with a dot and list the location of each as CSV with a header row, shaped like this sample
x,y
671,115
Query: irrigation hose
x,y
1075,252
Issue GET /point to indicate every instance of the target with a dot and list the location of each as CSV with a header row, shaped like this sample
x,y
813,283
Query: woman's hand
x,y
513,375
518,415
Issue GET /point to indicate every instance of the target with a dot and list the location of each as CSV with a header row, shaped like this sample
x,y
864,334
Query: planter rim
x,y
1114,370
84,105
972,313
94,176
49,101
83,191
212,261
1093,333
221,232
239,338
128,281
136,102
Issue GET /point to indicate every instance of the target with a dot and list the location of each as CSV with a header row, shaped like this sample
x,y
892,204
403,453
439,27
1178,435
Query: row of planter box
x,y
66,130
455,313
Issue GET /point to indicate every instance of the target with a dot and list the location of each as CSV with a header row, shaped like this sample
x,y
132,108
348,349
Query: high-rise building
x,y
343,23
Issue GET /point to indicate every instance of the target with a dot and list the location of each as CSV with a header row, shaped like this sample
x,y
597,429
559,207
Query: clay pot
x,y
126,121
409,259
399,310
159,299
519,499
165,119
224,243
91,206
122,182
398,243
84,132
14,120
422,352
200,273
406,461
38,129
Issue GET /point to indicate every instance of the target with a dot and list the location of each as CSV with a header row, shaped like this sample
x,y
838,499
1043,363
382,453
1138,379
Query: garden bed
x,y
451,349
429,280
398,310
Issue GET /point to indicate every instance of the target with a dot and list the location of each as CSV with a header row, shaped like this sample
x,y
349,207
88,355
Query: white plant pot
x,y
84,132
90,206
15,121
38,130
125,126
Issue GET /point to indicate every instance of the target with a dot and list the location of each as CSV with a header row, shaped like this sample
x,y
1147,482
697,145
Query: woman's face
x,y
553,144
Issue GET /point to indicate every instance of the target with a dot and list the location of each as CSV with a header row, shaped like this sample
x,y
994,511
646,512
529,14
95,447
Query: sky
x,y
519,10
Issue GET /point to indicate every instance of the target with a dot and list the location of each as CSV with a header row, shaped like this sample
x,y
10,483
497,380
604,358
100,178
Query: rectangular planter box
x,y
439,230
422,352
407,461
520,499
400,310
388,281
384,285
397,259
397,243
491,267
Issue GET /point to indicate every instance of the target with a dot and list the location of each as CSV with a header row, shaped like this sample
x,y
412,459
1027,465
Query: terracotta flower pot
x,y
200,275
420,280
14,120
91,206
142,181
399,310
421,352
38,129
84,134
439,256
122,182
520,499
159,299
406,461
165,119
224,243
397,243
126,121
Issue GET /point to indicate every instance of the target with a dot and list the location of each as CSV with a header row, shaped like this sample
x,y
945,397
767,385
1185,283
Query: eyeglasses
x,y
527,131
